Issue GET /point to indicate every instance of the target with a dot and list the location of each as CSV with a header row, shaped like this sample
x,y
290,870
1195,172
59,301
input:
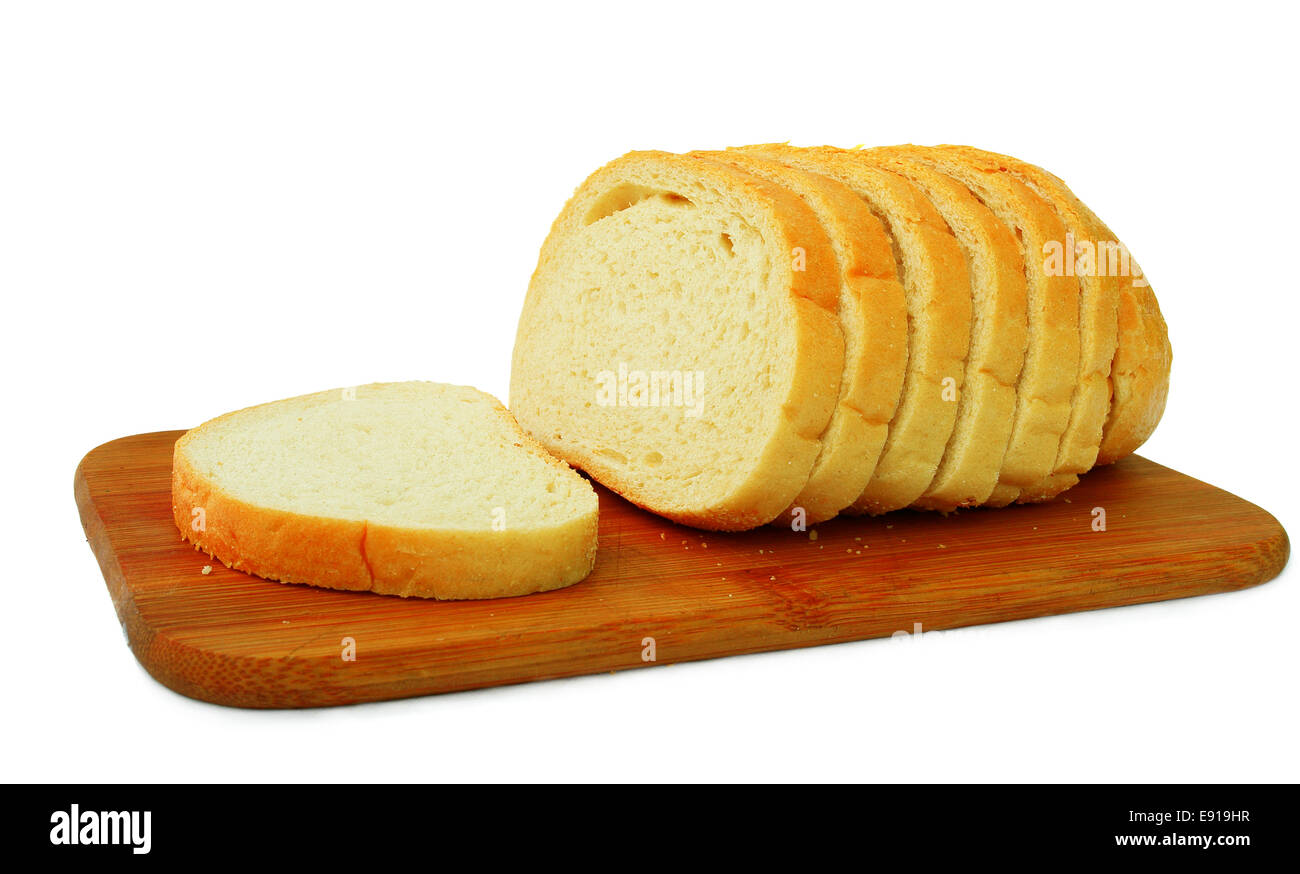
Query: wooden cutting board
x,y
660,593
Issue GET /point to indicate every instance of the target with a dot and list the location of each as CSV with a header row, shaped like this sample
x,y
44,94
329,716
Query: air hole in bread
x,y
626,196
727,245
653,459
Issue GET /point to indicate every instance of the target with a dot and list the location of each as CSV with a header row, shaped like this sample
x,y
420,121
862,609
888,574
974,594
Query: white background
x,y
207,206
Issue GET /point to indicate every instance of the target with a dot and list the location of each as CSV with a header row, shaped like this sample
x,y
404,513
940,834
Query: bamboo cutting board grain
x,y
658,589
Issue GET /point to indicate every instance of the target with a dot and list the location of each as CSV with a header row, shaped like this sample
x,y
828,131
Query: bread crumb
x,y
941,546
812,535
858,539
207,569
771,578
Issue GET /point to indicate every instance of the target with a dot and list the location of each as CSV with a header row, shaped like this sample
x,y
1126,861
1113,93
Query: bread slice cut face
x,y
680,339
412,489
873,319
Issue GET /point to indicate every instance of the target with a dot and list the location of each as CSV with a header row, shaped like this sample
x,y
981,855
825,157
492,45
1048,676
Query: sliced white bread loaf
x,y
1138,374
934,276
1076,255
1045,391
413,489
999,334
680,339
873,318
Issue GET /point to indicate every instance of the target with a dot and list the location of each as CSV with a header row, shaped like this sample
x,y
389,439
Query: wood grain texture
x,y
239,640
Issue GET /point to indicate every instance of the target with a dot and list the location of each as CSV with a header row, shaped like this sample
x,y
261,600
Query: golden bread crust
x,y
999,335
1047,382
1138,377
934,274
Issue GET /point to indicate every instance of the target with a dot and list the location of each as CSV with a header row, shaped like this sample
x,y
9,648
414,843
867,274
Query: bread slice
x,y
999,334
873,318
934,275
680,339
1138,372
1045,392
1099,298
412,489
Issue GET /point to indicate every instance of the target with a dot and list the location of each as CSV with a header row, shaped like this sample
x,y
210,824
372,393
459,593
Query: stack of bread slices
x,y
777,335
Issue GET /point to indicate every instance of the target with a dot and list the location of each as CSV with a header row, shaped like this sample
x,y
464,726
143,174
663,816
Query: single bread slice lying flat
x,y
413,489
680,339
873,318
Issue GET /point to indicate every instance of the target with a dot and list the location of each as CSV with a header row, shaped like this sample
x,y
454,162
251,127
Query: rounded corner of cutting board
x,y
1275,550
214,676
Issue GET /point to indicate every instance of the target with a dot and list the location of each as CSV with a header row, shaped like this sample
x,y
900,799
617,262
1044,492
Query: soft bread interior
x,y
417,455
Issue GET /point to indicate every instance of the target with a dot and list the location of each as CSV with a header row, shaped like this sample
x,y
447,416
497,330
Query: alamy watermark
x,y
625,387
1088,258
104,827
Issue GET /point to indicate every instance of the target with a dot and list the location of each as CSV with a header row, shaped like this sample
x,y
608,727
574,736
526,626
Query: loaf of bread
x,y
864,330
412,489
